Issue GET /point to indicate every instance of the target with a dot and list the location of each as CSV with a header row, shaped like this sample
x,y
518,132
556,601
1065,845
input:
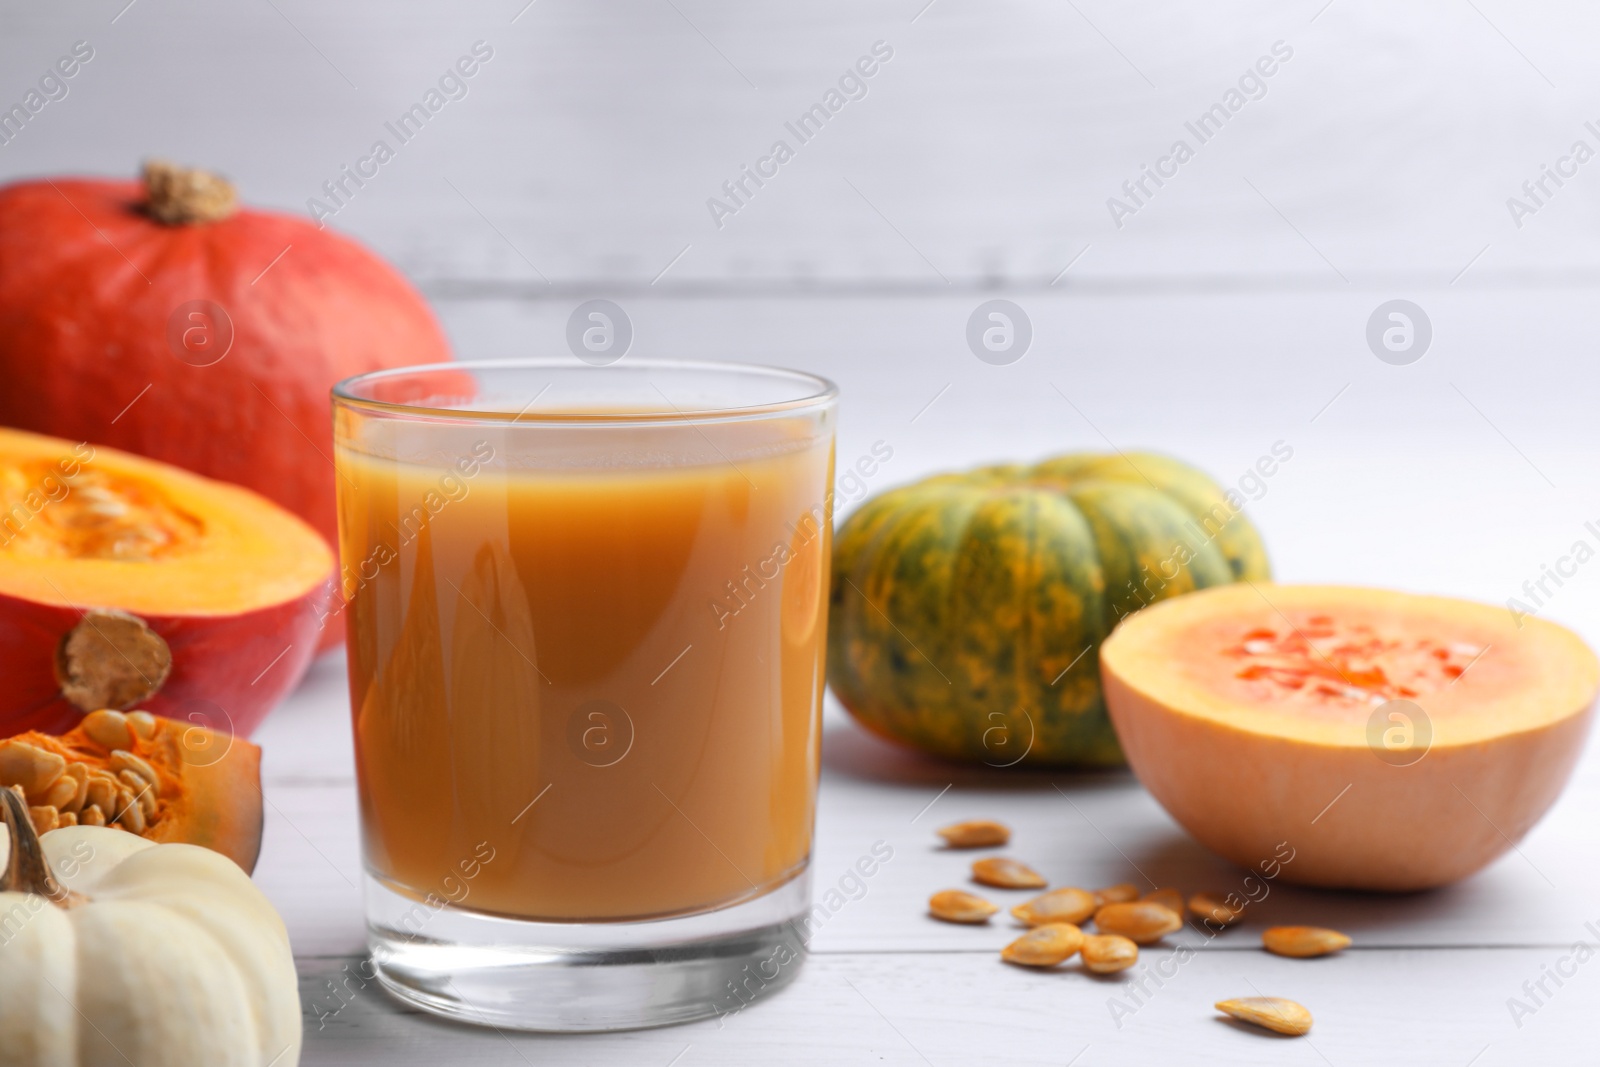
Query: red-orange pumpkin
x,y
157,318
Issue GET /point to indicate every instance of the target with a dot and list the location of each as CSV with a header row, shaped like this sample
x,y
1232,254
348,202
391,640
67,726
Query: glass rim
x,y
823,393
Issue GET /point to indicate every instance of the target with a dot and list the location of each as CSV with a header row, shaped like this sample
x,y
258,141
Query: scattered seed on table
x,y
959,906
1272,1013
1065,905
1170,899
1121,893
1214,909
1004,873
1044,946
975,833
1303,942
1108,953
1140,921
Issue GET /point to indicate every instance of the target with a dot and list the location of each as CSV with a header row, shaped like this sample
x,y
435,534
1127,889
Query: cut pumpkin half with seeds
x,y
126,583
1346,737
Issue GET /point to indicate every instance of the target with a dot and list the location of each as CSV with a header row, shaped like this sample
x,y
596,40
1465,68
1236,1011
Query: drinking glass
x,y
586,612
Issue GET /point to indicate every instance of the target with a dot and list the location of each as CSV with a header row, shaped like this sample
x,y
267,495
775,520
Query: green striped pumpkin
x,y
967,609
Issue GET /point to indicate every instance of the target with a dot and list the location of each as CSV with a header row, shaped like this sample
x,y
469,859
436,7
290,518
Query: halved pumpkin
x,y
1392,741
161,780
126,582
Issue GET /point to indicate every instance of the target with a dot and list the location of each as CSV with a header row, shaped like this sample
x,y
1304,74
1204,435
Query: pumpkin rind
x,y
967,609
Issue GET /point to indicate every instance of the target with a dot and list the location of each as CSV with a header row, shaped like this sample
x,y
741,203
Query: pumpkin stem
x,y
180,195
26,869
111,659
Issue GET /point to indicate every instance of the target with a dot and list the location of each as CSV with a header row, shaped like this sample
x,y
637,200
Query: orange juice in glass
x,y
586,611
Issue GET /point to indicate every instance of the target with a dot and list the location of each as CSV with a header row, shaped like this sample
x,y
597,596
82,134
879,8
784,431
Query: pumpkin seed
x,y
1006,873
92,816
975,833
127,761
1065,905
143,724
1272,1013
106,509
1140,921
131,817
1214,909
78,774
142,793
102,792
45,818
108,728
1121,893
959,906
29,766
63,792
1044,946
1170,899
1108,953
1303,942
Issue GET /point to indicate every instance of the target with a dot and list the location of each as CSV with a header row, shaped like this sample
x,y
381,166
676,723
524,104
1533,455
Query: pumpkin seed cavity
x,y
79,787
91,515
1318,658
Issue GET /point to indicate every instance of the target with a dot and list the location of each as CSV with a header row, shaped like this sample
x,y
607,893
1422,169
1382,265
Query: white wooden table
x,y
1226,315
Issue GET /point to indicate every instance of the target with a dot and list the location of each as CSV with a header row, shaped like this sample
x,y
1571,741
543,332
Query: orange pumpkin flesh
x,y
1260,715
209,792
231,589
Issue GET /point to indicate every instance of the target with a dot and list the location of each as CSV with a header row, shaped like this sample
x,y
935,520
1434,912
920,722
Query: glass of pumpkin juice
x,y
586,610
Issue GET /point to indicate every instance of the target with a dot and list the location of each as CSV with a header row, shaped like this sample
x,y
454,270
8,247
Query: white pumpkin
x,y
151,955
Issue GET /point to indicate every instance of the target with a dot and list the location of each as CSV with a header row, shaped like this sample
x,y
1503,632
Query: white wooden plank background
x,y
1226,315
984,151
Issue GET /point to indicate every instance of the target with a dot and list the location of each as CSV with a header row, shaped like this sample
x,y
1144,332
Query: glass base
x,y
564,977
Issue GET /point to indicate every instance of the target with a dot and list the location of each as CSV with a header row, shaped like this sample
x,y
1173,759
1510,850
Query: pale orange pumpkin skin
x,y
91,287
1260,780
